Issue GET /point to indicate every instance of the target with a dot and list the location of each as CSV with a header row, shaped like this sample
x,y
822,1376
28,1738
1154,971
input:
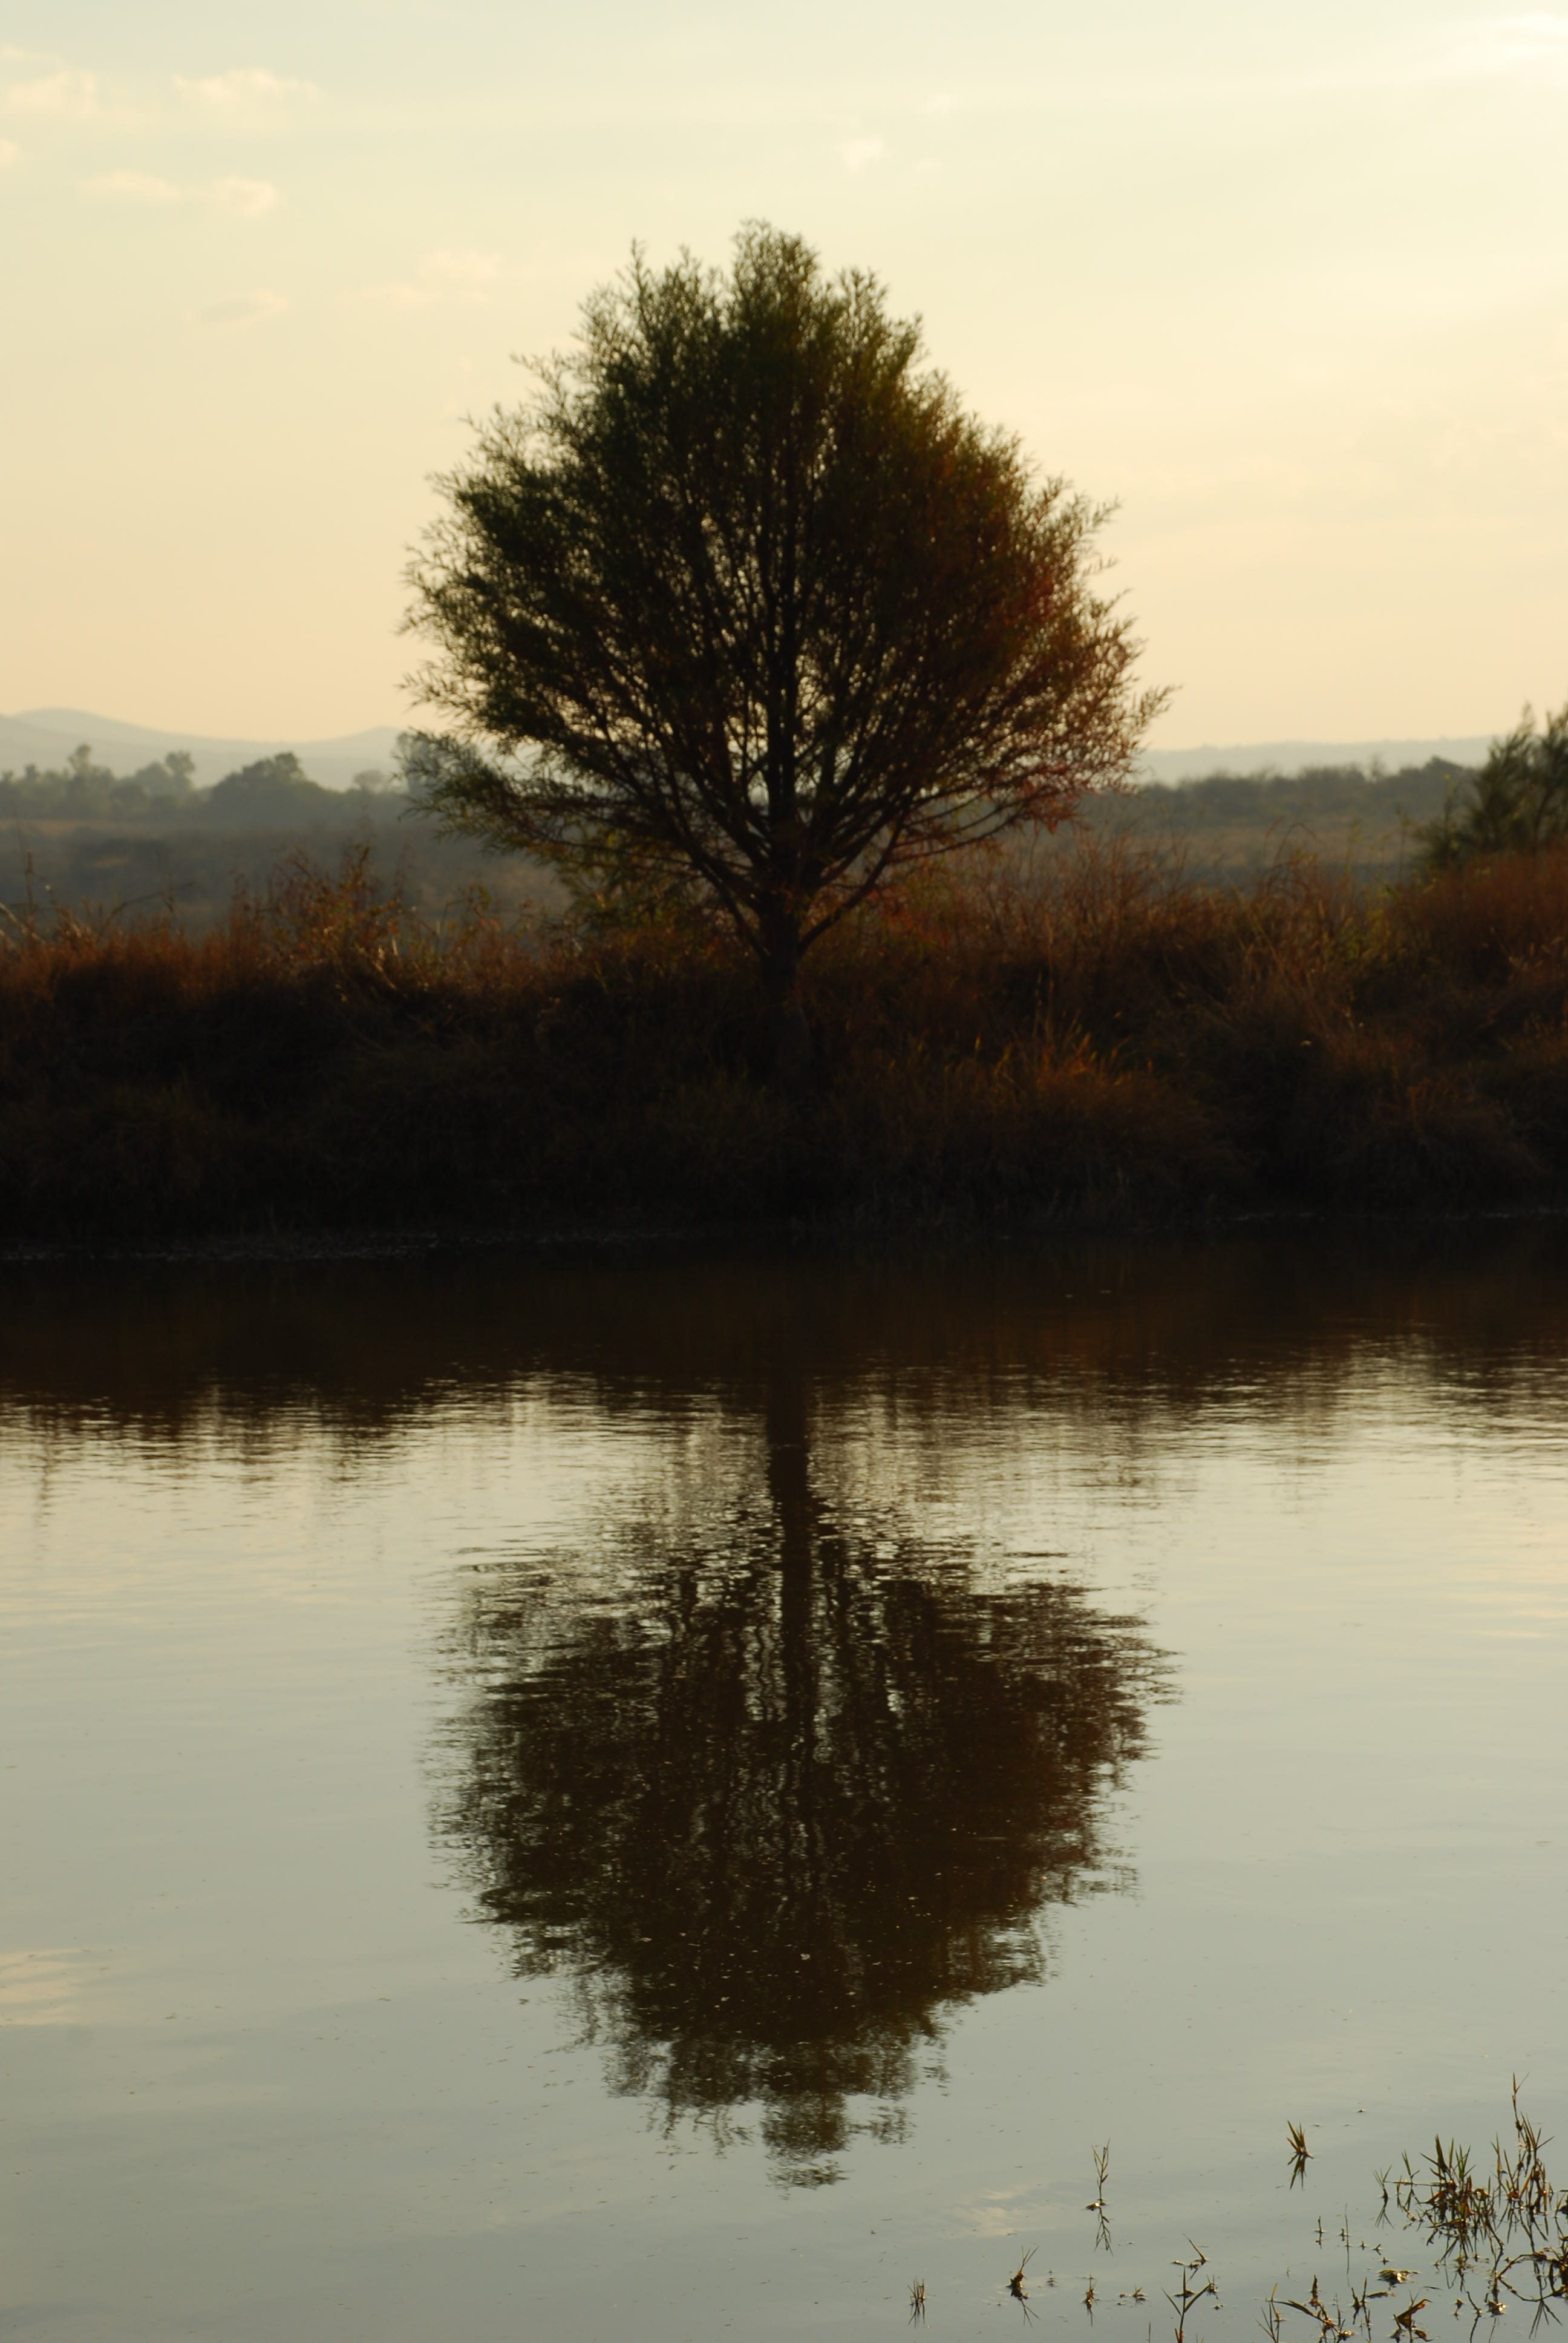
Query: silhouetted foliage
x,y
1516,804
778,1785
1102,1040
747,598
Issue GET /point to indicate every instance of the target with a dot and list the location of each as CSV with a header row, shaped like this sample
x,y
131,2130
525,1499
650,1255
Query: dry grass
x,y
1106,1040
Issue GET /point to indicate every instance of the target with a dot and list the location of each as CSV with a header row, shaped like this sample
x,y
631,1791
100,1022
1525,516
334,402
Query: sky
x,y
1289,283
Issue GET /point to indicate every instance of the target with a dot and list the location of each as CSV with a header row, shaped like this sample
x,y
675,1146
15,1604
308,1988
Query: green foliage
x,y
84,791
747,598
1516,804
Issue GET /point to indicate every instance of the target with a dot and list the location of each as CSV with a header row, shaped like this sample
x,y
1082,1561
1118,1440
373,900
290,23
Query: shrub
x,y
1103,1040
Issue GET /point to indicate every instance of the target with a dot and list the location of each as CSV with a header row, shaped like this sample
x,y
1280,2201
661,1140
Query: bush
x,y
1108,1043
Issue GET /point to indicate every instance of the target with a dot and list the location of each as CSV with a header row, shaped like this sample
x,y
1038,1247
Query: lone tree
x,y
744,599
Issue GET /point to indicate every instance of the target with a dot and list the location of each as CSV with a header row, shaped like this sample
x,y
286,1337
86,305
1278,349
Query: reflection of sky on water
x,y
310,1579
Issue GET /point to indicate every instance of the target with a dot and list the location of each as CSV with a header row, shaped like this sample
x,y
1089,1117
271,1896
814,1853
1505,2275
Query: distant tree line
x,y
1351,792
274,793
83,790
1515,802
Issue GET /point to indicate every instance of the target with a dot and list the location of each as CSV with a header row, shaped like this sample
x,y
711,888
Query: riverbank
x,y
1111,1045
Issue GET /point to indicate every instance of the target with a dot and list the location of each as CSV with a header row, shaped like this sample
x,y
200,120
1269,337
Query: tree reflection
x,y
778,1786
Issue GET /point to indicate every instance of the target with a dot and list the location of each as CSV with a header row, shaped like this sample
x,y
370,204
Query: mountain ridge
x,y
46,736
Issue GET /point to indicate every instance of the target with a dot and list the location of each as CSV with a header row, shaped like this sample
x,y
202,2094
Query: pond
x,y
689,1792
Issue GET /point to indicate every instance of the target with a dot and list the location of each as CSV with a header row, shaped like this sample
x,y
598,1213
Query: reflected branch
x,y
778,1786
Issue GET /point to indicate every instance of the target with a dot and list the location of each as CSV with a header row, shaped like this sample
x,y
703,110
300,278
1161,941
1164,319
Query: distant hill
x,y
45,737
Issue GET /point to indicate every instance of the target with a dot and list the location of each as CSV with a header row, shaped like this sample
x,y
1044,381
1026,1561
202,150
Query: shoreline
x,y
773,1240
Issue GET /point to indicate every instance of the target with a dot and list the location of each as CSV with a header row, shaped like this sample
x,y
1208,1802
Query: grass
x,y
1106,1042
1497,2236
1501,2233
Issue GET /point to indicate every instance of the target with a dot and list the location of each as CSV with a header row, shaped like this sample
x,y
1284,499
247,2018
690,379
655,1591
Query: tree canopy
x,y
274,789
745,596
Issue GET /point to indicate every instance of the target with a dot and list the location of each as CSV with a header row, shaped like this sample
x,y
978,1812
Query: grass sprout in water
x,y
1494,2232
1188,2294
1498,2233
1334,2324
1501,2235
1096,2204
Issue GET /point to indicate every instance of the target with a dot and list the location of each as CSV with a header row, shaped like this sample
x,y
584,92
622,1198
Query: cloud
x,y
244,309
461,272
1504,44
9,153
245,86
131,188
248,197
68,95
444,276
856,153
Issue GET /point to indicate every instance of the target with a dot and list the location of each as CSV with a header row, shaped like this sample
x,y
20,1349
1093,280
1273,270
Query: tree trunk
x,y
800,1854
789,1036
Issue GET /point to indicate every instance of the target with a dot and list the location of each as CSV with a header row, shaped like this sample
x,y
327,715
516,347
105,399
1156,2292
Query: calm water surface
x,y
676,1795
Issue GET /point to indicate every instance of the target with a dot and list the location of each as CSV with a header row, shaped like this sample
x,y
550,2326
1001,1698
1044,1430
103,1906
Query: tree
x,y
275,789
1516,804
744,597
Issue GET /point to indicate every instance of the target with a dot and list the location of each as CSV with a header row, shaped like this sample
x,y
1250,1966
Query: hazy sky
x,y
1290,282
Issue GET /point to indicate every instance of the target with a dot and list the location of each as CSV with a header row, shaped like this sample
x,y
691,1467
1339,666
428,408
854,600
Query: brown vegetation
x,y
1107,1041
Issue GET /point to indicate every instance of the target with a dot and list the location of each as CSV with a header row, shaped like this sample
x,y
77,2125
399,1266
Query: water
x,y
679,1794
